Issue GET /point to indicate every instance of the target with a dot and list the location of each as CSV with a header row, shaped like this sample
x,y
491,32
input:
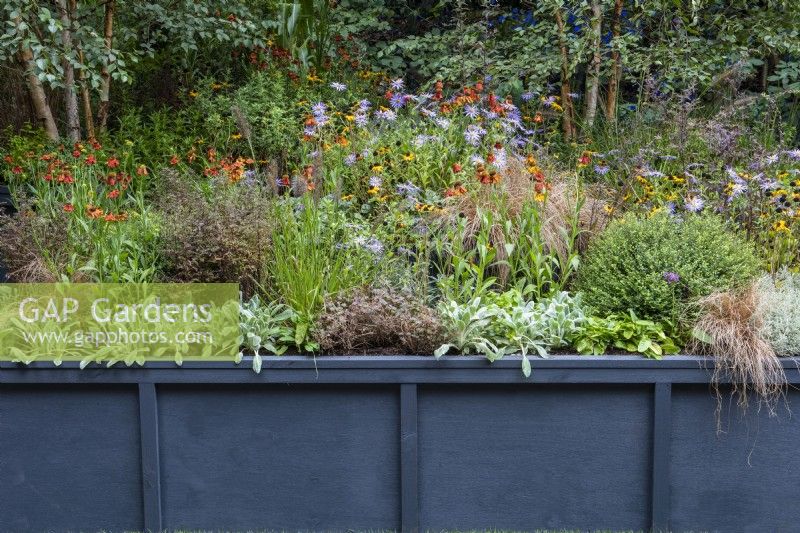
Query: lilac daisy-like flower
x,y
477,160
373,245
500,160
793,154
375,181
550,100
336,86
351,159
309,131
364,105
671,277
737,189
361,119
408,190
398,84
387,115
671,208
527,96
694,204
472,111
319,109
601,169
442,123
473,134
397,101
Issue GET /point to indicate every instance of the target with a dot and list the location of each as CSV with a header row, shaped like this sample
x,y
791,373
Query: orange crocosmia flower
x,y
65,178
174,160
76,153
17,170
8,159
141,170
538,119
112,162
68,208
456,168
90,159
113,194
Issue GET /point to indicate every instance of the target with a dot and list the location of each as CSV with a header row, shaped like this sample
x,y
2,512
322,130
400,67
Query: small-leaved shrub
x,y
655,266
375,318
215,237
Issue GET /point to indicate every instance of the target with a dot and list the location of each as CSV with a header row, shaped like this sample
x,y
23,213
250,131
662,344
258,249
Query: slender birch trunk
x,y
593,72
105,75
41,107
568,119
616,60
70,95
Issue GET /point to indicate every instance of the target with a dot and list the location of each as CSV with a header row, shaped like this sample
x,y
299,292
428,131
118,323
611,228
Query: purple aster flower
x,y
351,159
372,245
527,96
694,204
364,105
793,154
398,84
397,101
671,277
601,169
319,109
472,111
387,115
442,123
361,119
375,181
309,131
341,87
408,190
473,134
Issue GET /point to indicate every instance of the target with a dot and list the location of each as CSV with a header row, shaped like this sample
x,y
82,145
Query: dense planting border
x,y
407,372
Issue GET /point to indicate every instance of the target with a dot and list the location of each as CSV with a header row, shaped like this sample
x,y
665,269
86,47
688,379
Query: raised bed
x,y
382,443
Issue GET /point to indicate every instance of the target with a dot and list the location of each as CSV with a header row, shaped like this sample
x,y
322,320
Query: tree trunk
x,y
593,72
568,119
70,95
38,97
86,100
616,60
105,75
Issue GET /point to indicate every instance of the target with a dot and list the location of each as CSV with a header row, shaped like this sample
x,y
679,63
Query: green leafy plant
x,y
267,326
509,325
625,332
317,252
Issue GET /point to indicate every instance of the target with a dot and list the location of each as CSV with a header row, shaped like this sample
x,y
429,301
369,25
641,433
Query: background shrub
x,y
654,266
378,318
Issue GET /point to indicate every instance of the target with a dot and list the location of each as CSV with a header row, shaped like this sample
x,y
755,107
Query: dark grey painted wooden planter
x,y
391,443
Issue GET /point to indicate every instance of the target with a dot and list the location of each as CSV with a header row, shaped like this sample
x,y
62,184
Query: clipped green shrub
x,y
655,266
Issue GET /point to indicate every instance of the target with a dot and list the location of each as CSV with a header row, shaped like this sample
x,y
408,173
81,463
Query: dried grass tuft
x,y
743,358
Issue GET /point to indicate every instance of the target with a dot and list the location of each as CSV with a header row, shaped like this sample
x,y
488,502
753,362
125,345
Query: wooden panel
x,y
69,459
535,458
266,458
743,480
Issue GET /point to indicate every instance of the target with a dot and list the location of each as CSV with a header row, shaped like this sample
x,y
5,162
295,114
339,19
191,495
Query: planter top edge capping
x,y
605,362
